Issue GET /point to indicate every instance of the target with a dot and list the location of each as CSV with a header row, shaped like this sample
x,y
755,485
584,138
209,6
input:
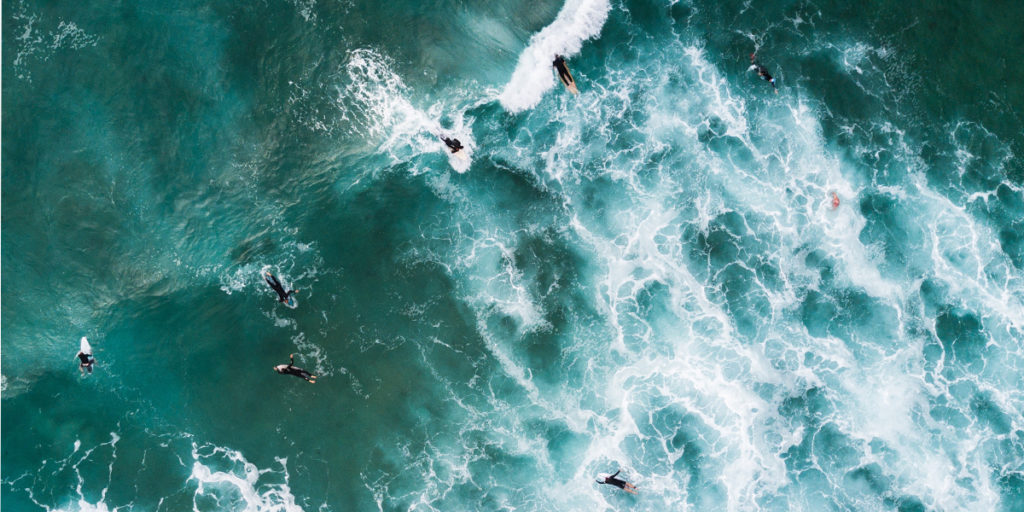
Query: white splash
x,y
578,21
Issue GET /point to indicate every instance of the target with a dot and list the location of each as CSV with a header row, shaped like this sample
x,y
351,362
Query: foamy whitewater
x,y
803,301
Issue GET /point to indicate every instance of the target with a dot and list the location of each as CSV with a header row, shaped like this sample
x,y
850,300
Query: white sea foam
x,y
225,474
577,21
38,44
787,183
306,9
102,451
376,102
222,478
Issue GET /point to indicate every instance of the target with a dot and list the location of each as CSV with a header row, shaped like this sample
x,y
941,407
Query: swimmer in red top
x,y
835,201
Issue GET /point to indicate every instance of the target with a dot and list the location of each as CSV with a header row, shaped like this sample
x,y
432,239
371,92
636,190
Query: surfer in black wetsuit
x,y
563,71
282,296
291,369
762,72
621,484
85,362
453,144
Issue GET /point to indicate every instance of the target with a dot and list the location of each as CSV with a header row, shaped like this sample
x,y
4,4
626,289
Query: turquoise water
x,y
647,276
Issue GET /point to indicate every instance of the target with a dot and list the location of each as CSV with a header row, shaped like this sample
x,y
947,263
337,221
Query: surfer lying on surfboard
x,y
282,296
85,359
617,482
564,75
291,369
762,71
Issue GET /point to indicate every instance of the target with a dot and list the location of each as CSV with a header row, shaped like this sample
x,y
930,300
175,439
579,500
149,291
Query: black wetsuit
x,y
453,144
563,70
282,296
764,74
86,361
621,484
291,369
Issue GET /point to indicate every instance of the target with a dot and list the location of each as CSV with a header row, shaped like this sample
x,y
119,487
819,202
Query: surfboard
x,y
462,155
84,347
570,84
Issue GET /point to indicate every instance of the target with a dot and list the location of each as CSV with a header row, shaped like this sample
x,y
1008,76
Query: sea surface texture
x,y
650,276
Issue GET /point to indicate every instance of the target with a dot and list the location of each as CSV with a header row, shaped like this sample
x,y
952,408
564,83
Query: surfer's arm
x,y
616,474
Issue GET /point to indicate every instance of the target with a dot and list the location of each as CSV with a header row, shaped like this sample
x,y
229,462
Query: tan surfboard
x,y
570,83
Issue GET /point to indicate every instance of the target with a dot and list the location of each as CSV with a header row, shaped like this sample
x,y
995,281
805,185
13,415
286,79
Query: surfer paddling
x,y
282,296
762,72
85,362
85,358
617,482
564,75
291,369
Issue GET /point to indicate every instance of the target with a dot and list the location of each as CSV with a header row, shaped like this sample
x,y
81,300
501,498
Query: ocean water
x,y
647,276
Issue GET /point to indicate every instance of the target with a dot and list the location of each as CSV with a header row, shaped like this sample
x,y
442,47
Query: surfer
x,y
762,72
617,482
564,75
282,296
291,369
85,362
453,144
835,201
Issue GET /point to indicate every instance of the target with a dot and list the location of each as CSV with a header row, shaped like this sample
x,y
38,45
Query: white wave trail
x,y
578,21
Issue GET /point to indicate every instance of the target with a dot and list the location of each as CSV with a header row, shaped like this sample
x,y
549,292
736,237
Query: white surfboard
x,y
85,348
460,160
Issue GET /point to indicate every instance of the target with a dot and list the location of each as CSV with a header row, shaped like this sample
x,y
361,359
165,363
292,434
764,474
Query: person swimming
x,y
453,144
282,296
762,71
85,362
291,369
617,482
